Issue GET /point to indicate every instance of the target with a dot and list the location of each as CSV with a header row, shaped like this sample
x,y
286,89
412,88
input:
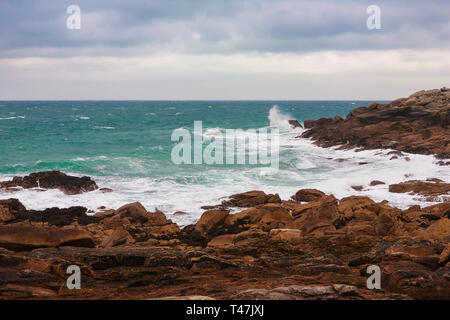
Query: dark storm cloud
x,y
110,27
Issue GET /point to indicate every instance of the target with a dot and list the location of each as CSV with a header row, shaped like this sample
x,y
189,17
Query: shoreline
x,y
252,245
312,246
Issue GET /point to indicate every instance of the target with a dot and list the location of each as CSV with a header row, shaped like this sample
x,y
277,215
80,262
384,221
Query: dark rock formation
x,y
295,124
52,180
418,124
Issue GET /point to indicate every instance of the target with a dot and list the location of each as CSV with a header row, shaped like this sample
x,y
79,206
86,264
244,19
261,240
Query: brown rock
x,y
222,240
22,238
439,230
295,124
117,237
376,182
250,199
5,215
211,221
445,255
308,195
318,217
286,235
426,188
309,124
133,210
418,124
53,180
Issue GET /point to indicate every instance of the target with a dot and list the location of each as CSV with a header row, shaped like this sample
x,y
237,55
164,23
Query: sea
x,y
127,146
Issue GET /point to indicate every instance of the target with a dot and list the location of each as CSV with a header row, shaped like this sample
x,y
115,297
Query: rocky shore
x,y
417,124
311,246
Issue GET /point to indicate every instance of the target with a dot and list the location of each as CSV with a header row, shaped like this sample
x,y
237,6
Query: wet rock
x,y
57,217
425,188
295,124
53,180
132,210
307,195
251,199
418,124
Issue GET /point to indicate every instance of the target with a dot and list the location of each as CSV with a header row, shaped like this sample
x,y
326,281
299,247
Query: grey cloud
x,y
111,27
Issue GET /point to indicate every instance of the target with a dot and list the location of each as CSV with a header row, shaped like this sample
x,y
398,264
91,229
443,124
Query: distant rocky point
x,y
417,124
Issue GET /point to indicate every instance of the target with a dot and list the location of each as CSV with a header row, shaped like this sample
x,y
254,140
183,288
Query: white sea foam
x,y
302,165
11,118
106,128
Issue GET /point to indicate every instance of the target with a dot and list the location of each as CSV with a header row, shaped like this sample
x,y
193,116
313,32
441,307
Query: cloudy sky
x,y
222,49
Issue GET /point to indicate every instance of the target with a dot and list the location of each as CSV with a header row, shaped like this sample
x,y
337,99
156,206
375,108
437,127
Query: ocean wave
x,y
106,128
11,118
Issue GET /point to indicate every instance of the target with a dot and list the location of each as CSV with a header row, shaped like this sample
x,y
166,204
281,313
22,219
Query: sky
x,y
226,50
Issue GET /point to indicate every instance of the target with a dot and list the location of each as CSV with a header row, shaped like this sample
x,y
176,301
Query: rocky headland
x,y
417,124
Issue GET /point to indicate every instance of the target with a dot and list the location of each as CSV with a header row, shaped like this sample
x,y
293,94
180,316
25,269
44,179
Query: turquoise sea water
x,y
126,146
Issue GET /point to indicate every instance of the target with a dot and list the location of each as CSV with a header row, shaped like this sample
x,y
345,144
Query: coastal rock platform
x,y
312,246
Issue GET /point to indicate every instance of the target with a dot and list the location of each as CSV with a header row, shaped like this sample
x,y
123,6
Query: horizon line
x,y
67,100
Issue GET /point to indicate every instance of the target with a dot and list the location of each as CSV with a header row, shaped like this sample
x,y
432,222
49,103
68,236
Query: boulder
x,y
117,237
376,183
22,238
295,124
132,210
426,188
307,195
57,217
53,180
439,230
317,217
251,199
210,222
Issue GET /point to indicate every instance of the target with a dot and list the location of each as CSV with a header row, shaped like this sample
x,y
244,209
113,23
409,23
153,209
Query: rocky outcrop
x,y
52,180
433,189
417,124
23,238
318,247
307,195
295,124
